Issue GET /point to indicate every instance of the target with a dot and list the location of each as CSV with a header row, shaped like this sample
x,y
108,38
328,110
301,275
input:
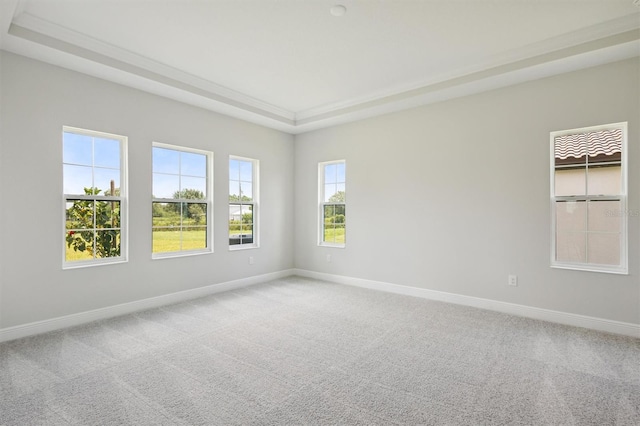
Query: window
x,y
181,206
332,196
94,187
243,203
588,191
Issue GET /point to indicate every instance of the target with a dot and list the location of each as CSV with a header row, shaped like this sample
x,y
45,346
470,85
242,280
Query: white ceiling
x,y
293,66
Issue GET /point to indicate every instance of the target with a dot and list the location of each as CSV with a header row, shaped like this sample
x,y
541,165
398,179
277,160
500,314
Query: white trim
x,y
566,318
52,324
82,45
33,37
208,201
255,202
123,199
321,203
623,268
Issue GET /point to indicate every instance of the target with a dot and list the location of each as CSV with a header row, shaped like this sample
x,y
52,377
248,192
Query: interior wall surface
x,y
37,100
455,196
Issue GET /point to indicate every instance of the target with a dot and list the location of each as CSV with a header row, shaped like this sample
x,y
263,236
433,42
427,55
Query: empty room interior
x,y
320,212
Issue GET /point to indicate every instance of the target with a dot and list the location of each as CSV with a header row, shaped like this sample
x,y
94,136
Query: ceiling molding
x,y
30,36
31,28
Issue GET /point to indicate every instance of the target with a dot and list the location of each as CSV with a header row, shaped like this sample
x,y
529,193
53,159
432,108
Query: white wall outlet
x,y
513,280
251,260
328,258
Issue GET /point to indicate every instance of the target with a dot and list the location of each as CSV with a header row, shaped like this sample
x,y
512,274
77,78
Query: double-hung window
x,y
95,189
243,203
182,199
588,198
332,203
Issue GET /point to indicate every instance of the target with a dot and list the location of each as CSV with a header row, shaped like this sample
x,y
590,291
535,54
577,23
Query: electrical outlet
x,y
513,280
328,258
251,260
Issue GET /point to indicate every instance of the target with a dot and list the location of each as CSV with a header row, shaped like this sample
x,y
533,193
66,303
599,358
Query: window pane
x,y
571,246
77,149
234,190
166,214
235,212
330,192
103,179
78,245
247,214
234,170
339,233
194,214
604,249
570,182
340,172
166,161
246,191
106,153
194,238
329,213
604,180
166,240
165,186
107,214
79,214
246,171
76,179
193,187
571,216
605,216
570,149
193,164
330,173
107,243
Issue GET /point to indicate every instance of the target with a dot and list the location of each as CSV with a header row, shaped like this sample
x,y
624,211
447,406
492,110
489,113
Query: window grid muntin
x,y
335,181
69,197
242,239
622,267
181,227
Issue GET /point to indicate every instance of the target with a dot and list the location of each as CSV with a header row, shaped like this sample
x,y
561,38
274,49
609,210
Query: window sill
x,y
591,268
238,247
172,255
90,264
341,246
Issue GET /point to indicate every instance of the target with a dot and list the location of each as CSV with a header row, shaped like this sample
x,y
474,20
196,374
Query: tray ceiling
x,y
294,66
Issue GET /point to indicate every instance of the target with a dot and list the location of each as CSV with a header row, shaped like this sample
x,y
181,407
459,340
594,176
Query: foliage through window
x,y
332,203
94,192
243,202
181,200
589,198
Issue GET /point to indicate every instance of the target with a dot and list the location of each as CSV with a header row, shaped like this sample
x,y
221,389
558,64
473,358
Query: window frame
x,y
622,268
322,204
255,203
208,200
122,199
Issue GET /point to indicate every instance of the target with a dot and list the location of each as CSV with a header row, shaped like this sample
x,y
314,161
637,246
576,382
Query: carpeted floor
x,y
298,351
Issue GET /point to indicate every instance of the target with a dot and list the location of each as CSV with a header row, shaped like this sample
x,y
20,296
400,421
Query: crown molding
x,y
31,28
30,36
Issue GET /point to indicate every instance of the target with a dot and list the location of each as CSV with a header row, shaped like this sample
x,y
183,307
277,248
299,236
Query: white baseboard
x,y
39,327
600,324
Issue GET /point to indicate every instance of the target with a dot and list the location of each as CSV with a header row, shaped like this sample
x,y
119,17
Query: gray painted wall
x,y
451,197
37,100
455,196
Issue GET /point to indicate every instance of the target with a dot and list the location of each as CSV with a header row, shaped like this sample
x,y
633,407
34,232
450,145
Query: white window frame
x,y
255,184
622,198
322,203
208,201
122,199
